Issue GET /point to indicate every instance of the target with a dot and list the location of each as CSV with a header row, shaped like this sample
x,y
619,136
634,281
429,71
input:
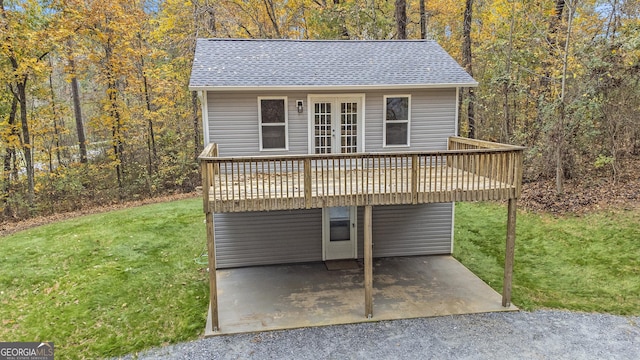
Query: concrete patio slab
x,y
280,297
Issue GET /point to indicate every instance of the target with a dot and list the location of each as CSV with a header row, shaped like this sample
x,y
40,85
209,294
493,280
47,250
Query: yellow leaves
x,y
8,135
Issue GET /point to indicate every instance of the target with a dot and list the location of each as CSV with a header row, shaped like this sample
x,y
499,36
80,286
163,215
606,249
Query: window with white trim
x,y
397,119
272,114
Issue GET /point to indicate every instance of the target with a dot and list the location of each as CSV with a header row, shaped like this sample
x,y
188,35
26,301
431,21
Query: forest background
x,y
95,108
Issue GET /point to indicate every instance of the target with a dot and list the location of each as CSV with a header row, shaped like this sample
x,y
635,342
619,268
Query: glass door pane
x,y
348,127
322,127
339,224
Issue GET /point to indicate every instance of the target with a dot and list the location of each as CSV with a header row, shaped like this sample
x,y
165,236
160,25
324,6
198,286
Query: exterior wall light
x,y
299,106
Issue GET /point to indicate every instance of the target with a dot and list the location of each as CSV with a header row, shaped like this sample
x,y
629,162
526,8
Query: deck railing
x,y
469,170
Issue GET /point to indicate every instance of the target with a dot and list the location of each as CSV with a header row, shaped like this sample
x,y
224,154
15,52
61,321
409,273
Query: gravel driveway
x,y
509,335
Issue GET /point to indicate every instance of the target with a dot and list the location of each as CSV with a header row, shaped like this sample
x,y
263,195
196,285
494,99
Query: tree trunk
x,y
559,143
467,63
77,111
116,125
151,140
423,20
56,131
9,156
344,32
401,19
116,134
10,149
554,24
18,87
560,136
26,139
268,6
211,20
506,85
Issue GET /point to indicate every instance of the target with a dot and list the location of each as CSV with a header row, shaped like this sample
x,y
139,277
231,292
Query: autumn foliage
x,y
95,109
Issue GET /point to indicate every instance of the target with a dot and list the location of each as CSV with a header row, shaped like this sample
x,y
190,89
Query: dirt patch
x,y
580,197
7,228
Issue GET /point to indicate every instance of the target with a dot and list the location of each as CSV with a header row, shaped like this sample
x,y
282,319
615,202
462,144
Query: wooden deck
x,y
470,170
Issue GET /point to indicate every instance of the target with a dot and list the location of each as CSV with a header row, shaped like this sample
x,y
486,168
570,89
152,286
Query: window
x,y
396,120
272,113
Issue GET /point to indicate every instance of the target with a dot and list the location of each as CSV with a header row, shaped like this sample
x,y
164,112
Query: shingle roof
x,y
239,63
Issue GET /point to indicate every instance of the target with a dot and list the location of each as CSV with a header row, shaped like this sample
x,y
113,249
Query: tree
x,y
401,19
77,106
561,79
10,139
56,119
506,81
109,30
467,64
23,43
423,19
560,140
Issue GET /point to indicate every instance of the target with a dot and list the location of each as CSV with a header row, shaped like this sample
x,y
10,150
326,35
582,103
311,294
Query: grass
x,y
589,263
107,284
110,284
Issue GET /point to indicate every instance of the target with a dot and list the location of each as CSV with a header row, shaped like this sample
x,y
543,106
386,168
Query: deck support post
x,y
213,287
509,253
368,262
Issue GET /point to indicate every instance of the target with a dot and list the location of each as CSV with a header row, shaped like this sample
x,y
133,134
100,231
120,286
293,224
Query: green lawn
x,y
111,284
107,284
588,263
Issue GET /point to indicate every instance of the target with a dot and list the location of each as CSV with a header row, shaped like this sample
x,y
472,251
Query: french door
x,y
336,124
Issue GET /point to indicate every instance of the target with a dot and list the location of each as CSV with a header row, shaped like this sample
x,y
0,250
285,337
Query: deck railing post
x,y
415,166
307,183
206,184
518,172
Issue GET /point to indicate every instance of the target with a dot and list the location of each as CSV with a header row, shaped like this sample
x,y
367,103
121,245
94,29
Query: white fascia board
x,y
204,100
457,125
332,88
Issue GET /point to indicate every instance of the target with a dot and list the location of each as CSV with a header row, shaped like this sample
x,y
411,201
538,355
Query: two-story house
x,y
323,150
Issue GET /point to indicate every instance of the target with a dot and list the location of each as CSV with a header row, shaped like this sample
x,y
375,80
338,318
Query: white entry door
x,y
339,233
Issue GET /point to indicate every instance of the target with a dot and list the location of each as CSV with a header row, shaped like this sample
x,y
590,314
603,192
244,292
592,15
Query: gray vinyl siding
x,y
233,121
279,237
405,230
263,238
